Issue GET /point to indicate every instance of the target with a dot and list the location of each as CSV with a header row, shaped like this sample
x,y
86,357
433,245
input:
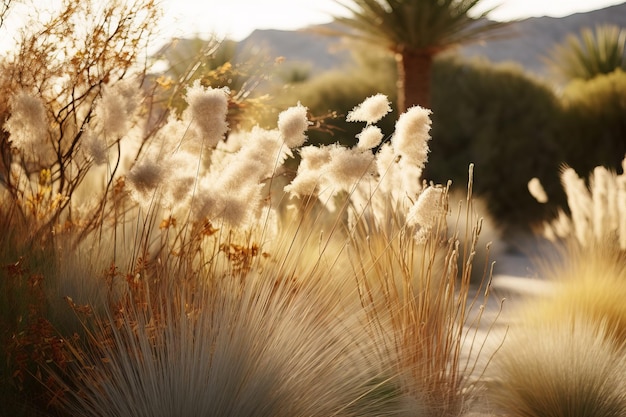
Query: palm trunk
x,y
414,79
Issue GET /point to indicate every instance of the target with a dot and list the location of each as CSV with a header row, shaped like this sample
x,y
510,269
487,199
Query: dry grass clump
x,y
559,369
268,343
419,307
588,284
590,278
564,356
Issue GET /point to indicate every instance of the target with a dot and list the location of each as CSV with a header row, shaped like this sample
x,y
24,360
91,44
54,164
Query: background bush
x,y
505,123
592,130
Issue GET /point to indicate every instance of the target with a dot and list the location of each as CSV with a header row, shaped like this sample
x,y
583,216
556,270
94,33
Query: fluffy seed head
x,y
348,166
293,124
117,107
412,135
205,202
426,211
242,172
604,188
313,157
208,108
580,203
536,190
95,147
178,185
371,110
304,184
267,148
144,178
314,164
369,137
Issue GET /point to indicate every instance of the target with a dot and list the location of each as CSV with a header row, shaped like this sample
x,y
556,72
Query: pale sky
x,y
237,18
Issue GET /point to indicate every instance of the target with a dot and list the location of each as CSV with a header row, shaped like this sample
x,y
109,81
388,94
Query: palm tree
x,y
415,31
593,52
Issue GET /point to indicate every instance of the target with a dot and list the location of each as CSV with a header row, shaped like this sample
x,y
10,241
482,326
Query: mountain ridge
x,y
526,42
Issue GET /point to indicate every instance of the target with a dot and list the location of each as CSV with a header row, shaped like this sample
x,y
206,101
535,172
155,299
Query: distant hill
x,y
300,47
530,39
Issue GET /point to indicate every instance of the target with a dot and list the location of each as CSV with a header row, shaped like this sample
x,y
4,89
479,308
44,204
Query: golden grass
x,y
588,283
275,339
564,354
309,319
558,369
244,355
176,289
418,306
196,298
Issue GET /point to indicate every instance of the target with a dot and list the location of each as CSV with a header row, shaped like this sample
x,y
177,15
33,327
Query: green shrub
x,y
593,126
504,122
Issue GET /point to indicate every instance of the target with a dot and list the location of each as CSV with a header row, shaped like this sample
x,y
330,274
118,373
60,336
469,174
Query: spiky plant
x,y
415,31
268,347
590,53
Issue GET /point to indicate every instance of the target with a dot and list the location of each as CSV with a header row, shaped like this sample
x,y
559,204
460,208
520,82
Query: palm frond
x,y
590,53
414,24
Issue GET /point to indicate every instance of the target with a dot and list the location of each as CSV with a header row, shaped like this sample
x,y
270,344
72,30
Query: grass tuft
x,y
556,370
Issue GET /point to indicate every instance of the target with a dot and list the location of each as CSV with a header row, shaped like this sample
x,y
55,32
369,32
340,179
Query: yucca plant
x,y
415,31
590,53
